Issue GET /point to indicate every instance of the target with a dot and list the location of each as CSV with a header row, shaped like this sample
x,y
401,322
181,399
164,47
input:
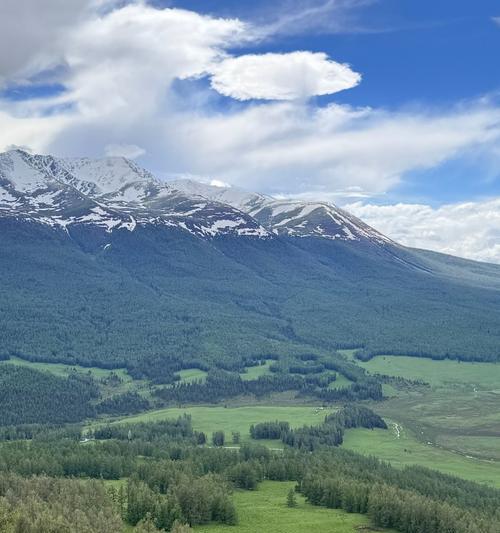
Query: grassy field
x,y
479,376
62,370
452,425
234,419
191,374
340,382
405,449
487,447
254,372
265,510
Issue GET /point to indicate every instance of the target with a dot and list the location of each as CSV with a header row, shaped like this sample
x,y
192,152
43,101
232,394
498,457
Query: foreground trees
x,y
44,504
169,481
329,433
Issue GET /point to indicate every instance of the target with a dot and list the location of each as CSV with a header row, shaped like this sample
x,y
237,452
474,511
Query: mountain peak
x,y
109,175
116,193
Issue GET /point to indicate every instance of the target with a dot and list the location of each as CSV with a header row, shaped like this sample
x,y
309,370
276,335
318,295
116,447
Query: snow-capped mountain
x,y
115,193
288,217
111,193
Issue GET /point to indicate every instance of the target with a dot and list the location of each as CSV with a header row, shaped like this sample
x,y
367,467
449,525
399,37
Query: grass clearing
x,y
234,419
127,384
340,383
63,370
255,372
191,374
405,449
265,510
446,373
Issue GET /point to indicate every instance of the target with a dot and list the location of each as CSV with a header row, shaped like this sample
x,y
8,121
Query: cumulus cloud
x,y
291,76
120,68
130,151
470,229
128,59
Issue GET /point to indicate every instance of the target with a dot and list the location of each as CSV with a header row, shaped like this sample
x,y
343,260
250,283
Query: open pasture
x,y
235,419
265,510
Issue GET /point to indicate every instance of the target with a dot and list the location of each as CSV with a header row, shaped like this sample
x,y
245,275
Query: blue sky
x,y
377,105
411,54
432,51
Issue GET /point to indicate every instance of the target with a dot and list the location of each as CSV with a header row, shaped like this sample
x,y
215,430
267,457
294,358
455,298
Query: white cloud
x,y
294,148
291,76
120,68
496,20
301,16
130,151
128,59
470,229
218,183
31,34
35,132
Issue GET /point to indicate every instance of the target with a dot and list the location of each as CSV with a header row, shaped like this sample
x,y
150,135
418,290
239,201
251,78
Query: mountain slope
x,y
168,286
288,217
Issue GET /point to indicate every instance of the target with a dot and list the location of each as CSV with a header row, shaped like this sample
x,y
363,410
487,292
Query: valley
x,y
450,423
210,356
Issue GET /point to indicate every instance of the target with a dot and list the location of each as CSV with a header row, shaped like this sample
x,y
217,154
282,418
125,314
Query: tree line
x,y
329,433
221,385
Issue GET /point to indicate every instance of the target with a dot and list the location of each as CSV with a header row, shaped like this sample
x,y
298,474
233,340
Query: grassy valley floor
x,y
452,425
236,419
265,510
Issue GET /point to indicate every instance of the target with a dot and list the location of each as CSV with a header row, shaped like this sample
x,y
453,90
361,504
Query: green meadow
x,y
63,370
403,449
191,374
265,510
234,419
446,373
255,372
452,424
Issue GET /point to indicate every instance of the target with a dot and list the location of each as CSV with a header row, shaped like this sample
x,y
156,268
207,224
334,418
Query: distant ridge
x,y
103,264
115,193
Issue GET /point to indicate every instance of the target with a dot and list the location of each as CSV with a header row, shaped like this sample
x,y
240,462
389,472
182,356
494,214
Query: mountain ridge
x,y
117,193
166,279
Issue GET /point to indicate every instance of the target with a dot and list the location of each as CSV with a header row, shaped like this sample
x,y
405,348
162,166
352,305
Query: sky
x,y
389,108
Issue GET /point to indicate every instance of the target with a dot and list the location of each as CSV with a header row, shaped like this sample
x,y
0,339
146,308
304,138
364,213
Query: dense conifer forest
x,y
30,396
218,303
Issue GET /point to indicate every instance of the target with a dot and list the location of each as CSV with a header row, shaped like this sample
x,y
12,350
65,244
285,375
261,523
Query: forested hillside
x,y
28,396
158,298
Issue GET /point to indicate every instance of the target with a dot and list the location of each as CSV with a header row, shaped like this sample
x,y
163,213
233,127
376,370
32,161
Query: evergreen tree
x,y
291,500
218,438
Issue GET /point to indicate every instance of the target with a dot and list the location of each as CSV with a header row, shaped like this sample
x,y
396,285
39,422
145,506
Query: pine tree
x,y
218,438
291,500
